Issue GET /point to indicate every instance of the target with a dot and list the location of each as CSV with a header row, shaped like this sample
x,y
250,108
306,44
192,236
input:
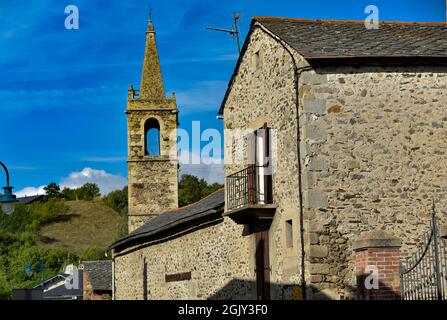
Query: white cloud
x,y
106,182
30,191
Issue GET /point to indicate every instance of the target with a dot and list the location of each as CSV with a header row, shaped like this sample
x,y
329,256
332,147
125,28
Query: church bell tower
x,y
152,121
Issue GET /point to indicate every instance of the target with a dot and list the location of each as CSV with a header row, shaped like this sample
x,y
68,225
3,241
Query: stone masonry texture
x,y
372,151
373,156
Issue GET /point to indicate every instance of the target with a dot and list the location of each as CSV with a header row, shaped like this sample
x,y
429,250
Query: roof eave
x,y
131,240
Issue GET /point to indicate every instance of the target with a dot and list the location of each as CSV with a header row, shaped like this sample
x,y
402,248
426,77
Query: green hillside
x,y
87,224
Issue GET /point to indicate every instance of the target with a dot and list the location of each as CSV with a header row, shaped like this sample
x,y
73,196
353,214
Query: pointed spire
x,y
151,86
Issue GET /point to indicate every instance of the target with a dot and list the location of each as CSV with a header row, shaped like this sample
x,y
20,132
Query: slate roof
x,y
61,292
207,207
317,39
29,199
337,41
100,274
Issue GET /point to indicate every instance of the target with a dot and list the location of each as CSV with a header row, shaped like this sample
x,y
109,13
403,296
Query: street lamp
x,y
8,199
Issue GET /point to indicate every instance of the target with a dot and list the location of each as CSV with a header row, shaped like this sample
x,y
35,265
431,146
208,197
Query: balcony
x,y
249,195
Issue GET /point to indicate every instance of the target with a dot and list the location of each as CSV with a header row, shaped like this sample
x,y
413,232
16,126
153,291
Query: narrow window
x,y
289,234
152,138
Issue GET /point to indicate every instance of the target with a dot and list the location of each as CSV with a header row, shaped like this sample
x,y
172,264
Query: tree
x,y
118,201
69,194
193,189
94,254
88,191
52,190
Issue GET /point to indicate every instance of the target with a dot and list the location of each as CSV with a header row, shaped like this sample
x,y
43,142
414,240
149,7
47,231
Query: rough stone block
x,y
316,227
317,106
314,78
317,164
313,238
318,252
308,180
316,199
316,278
319,268
315,133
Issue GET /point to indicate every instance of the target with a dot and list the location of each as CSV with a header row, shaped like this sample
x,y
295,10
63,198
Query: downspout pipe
x,y
297,71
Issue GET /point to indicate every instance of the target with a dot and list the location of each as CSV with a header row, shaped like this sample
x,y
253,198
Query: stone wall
x,y
263,93
217,257
374,157
153,181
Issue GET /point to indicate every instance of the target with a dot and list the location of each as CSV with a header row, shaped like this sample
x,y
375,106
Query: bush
x,y
193,189
118,201
29,218
18,253
88,192
94,254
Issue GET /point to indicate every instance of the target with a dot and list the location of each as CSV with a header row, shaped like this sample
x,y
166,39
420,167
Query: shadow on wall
x,y
238,289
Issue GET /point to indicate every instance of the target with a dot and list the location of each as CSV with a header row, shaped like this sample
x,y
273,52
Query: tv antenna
x,y
233,32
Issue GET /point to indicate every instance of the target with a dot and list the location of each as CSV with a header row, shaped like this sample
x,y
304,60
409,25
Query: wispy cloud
x,y
23,168
202,96
205,58
24,100
104,159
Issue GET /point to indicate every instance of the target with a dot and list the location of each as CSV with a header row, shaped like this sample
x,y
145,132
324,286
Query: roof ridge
x,y
258,18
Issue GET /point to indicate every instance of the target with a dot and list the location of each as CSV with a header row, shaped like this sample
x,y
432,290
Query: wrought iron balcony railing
x,y
248,187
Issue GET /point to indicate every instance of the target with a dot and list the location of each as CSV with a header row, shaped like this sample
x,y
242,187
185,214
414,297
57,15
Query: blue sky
x,y
63,92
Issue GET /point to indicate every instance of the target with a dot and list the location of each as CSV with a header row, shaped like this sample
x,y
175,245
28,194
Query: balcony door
x,y
260,163
263,163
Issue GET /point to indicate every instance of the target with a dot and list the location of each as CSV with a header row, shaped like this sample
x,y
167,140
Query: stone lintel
x,y
376,239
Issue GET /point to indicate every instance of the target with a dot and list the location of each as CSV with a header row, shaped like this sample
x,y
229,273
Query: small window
x,y
152,138
289,234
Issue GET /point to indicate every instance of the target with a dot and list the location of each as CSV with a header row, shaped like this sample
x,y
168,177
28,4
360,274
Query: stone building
x,y
343,132
97,280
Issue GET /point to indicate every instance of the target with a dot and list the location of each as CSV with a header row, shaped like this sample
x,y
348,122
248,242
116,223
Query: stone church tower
x,y
152,162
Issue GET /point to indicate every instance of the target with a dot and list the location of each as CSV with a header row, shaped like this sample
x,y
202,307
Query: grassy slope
x,y
88,224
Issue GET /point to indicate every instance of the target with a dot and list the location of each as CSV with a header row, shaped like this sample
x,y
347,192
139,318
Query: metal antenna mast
x,y
233,32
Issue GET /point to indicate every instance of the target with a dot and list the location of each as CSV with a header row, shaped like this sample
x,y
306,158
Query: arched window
x,y
152,138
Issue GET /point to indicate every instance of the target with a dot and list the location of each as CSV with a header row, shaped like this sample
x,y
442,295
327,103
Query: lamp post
x,y
8,199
